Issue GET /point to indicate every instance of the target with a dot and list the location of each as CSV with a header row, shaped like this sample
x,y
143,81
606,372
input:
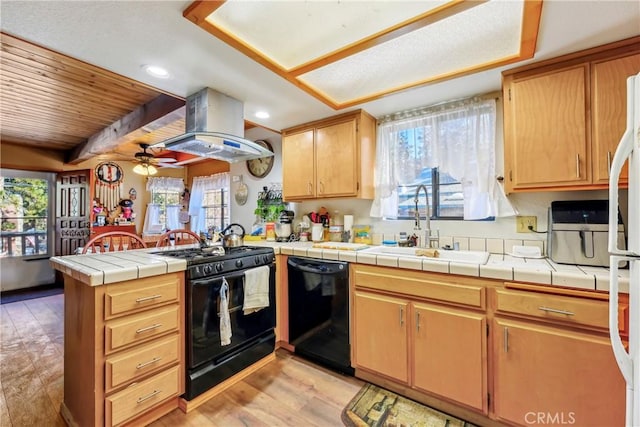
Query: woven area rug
x,y
376,407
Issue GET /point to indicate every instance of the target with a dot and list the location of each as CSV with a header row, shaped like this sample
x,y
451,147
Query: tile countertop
x,y
112,267
500,267
98,269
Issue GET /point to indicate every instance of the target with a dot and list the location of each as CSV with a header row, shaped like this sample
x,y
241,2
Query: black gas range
x,y
214,260
211,273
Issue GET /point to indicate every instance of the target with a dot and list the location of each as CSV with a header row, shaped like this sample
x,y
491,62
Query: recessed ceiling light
x,y
155,71
262,115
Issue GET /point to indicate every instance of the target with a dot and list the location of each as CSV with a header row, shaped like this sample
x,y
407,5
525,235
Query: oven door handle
x,y
211,280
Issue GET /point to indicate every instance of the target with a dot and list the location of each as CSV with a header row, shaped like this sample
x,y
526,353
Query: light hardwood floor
x,y
288,392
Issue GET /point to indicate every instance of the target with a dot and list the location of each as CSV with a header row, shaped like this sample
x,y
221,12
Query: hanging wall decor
x,y
109,178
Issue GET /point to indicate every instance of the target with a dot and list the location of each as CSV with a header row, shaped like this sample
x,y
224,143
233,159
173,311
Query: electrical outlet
x,y
523,223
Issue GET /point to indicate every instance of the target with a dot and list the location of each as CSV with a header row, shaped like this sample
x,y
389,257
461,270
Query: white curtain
x,y
172,217
164,183
152,216
201,185
152,220
458,138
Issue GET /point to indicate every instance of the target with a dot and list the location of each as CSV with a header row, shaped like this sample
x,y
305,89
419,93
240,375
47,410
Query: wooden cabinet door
x,y
609,111
298,172
336,160
449,354
546,141
380,338
565,377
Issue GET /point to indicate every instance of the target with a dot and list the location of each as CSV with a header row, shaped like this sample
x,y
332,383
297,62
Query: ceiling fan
x,y
148,164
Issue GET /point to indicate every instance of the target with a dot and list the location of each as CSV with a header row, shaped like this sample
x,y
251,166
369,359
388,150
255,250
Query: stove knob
x,y
239,263
207,269
256,260
219,267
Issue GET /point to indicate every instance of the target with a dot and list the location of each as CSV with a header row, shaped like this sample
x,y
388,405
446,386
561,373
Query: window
x,y
209,203
24,206
165,200
164,210
448,148
216,208
448,202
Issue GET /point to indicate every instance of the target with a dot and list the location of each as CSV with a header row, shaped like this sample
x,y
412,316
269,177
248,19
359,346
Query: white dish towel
x,y
256,289
225,321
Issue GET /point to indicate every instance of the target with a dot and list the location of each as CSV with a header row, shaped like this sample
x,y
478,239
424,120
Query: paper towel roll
x,y
348,222
348,225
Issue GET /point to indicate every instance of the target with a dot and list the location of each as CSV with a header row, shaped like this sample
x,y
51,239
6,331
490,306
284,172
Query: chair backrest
x,y
113,241
178,237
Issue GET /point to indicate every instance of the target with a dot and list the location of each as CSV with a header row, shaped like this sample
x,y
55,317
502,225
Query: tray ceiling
x,y
347,53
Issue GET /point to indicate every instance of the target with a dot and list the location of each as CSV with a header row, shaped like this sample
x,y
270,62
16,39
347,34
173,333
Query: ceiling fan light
x,y
144,169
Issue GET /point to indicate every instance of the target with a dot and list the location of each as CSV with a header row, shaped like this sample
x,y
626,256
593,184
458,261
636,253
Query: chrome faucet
x,y
427,233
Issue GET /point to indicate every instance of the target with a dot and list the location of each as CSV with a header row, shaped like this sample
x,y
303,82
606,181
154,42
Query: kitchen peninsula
x,y
493,323
123,337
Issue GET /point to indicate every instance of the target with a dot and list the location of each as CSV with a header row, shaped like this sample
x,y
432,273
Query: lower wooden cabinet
x,y
381,335
449,354
488,351
140,397
555,376
435,349
123,350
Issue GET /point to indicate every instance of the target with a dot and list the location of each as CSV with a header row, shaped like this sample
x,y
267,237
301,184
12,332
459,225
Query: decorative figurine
x,y
127,209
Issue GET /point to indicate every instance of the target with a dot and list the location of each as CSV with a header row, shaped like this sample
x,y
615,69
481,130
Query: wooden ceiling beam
x,y
153,115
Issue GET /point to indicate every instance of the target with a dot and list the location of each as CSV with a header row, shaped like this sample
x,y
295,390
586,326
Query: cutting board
x,y
340,246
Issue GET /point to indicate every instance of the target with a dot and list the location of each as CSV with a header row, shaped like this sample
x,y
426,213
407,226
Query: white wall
x,y
244,214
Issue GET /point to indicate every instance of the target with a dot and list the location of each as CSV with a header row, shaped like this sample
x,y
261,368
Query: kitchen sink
x,y
465,257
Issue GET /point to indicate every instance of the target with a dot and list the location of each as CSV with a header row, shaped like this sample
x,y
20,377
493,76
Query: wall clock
x,y
261,167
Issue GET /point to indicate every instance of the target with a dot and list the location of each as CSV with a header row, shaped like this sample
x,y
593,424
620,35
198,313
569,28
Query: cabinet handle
x,y
142,365
143,299
577,165
148,396
148,328
401,316
608,163
418,321
506,339
321,187
310,188
555,310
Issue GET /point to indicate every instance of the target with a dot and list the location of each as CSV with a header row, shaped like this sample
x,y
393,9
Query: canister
x,y
270,228
317,232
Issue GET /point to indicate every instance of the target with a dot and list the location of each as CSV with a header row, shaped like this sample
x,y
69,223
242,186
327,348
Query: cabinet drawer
x,y
141,327
141,294
142,396
570,310
141,360
416,284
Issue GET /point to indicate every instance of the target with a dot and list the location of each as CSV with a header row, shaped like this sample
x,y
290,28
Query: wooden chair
x,y
179,237
113,241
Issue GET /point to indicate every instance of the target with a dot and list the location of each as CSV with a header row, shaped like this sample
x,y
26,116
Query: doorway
x,y
27,228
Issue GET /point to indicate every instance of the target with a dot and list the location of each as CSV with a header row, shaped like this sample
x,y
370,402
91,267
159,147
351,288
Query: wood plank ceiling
x,y
51,101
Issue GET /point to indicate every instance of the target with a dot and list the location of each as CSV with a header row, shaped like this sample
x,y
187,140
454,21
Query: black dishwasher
x,y
319,311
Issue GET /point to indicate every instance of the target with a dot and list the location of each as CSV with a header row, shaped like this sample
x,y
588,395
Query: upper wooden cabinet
x,y
609,110
563,118
333,157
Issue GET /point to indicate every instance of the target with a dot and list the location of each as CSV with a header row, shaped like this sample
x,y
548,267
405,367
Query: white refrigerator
x,y
628,149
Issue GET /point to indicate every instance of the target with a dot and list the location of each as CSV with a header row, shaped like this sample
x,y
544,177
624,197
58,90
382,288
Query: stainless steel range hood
x,y
213,123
